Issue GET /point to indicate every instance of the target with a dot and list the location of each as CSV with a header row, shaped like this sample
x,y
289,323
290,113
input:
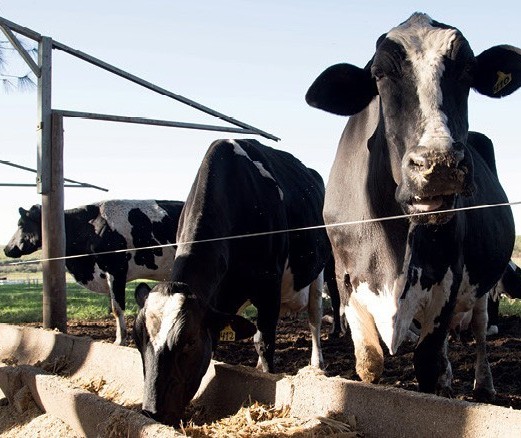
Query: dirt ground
x,y
293,352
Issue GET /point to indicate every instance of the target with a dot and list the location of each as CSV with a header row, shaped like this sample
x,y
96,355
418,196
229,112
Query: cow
x,y
406,154
510,286
234,246
95,231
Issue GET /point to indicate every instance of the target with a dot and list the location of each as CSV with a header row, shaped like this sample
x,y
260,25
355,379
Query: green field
x,y
22,302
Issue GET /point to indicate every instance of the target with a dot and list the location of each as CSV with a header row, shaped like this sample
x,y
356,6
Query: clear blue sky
x,y
252,60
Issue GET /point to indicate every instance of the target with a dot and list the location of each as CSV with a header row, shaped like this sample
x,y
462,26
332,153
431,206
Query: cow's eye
x,y
378,73
189,346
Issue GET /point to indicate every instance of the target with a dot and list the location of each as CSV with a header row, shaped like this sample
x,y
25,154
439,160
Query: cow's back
x,y
242,188
489,231
101,231
303,198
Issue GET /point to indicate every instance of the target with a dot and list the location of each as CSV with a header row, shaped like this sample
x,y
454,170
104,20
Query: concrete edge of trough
x,y
379,410
86,413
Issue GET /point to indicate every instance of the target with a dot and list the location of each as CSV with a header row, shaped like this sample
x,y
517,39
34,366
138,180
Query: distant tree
x,y
9,57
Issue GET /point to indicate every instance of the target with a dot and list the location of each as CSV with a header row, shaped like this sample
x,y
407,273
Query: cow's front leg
x,y
431,364
315,320
368,351
117,302
264,339
483,384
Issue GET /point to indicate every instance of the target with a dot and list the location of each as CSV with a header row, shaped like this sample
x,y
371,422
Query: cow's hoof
x,y
445,391
484,395
492,330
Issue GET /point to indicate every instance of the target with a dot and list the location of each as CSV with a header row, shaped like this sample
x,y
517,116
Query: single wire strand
x,y
267,233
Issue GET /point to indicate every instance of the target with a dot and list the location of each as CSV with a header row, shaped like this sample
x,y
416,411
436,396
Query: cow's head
x,y
422,72
176,333
28,237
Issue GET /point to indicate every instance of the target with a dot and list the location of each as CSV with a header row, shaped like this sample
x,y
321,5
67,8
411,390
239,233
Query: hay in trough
x,y
260,420
58,365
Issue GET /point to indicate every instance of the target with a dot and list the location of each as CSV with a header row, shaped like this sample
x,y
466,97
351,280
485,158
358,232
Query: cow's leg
x,y
493,313
329,277
267,317
315,320
483,384
117,301
368,351
431,364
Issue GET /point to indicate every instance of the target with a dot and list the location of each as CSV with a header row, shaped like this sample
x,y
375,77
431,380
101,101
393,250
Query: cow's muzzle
x,y
169,419
432,178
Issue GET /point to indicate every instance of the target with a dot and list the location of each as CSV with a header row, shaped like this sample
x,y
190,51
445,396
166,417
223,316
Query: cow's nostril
x,y
418,162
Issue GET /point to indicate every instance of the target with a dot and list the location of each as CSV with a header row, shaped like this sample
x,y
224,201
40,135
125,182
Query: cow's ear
x,y
35,212
229,327
342,89
141,294
498,71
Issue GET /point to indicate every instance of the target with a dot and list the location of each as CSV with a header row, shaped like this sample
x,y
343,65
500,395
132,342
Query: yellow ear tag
x,y
503,79
227,334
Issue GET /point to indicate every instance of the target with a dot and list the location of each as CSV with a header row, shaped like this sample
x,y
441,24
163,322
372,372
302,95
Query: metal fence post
x,y
50,185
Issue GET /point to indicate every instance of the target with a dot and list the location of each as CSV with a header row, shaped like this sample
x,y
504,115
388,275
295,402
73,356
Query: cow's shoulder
x,y
483,145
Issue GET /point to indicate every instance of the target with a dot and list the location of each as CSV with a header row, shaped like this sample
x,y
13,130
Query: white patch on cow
x,y
100,282
310,298
435,299
161,312
116,214
291,300
426,46
237,149
465,303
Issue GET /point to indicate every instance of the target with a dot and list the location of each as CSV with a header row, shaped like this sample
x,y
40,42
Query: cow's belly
x,y
102,279
162,273
100,282
464,304
291,300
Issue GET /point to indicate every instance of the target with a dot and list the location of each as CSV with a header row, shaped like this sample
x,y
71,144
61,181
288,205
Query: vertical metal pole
x,y
50,185
44,109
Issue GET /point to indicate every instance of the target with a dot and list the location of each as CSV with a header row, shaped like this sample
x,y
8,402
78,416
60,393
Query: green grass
x,y
20,303
510,307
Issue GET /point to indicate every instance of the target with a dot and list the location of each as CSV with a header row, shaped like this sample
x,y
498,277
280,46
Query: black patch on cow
x,y
142,236
165,230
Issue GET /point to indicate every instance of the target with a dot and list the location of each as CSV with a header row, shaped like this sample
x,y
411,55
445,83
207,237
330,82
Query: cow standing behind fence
x,y
407,149
95,231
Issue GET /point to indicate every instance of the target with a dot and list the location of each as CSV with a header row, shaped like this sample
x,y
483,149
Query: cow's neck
x,y
362,165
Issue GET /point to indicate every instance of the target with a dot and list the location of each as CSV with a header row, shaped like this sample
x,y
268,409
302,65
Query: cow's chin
x,y
430,210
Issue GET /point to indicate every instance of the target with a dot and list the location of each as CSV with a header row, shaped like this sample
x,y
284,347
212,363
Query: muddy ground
x,y
293,352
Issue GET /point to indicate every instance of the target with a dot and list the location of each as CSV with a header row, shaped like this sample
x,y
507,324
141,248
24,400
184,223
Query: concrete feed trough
x,y
380,411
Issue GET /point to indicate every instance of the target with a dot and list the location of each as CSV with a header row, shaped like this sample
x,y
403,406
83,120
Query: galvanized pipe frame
x,y
50,181
247,129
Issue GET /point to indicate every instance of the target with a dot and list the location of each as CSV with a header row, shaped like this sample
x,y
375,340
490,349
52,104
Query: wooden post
x,y
53,237
50,184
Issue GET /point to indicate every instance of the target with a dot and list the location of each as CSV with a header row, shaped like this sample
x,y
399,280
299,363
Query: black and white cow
x,y
104,227
407,149
510,286
241,188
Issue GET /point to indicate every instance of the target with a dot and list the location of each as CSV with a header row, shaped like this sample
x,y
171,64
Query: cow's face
x,y
28,236
175,334
422,72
